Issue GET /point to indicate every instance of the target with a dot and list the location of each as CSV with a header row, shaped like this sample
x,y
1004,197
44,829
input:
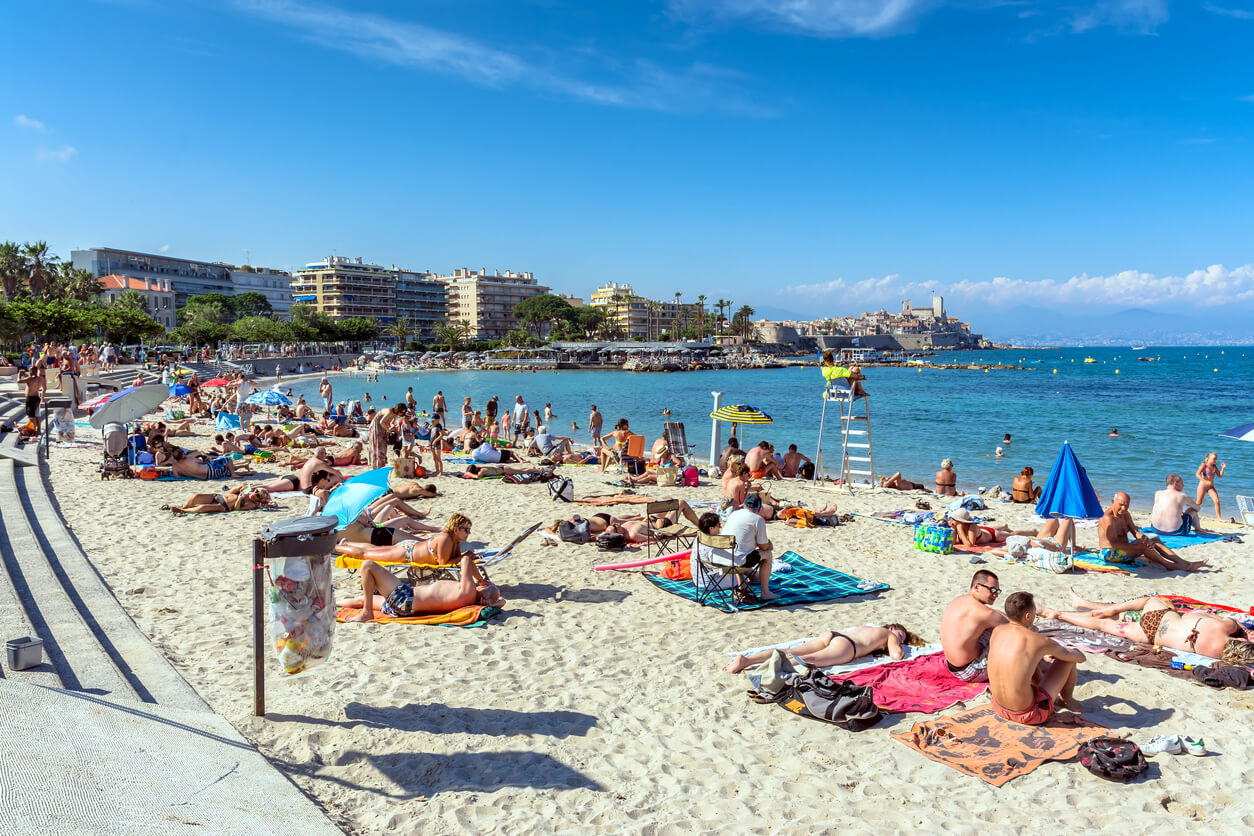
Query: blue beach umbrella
x,y
351,498
1068,492
1245,432
178,390
269,397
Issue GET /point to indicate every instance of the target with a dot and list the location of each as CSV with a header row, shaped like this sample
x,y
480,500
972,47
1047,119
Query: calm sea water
x,y
1168,412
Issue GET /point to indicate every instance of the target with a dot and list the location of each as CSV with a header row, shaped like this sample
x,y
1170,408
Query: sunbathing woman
x,y
238,498
968,533
387,520
223,467
898,483
443,549
487,471
838,648
401,599
1021,489
348,457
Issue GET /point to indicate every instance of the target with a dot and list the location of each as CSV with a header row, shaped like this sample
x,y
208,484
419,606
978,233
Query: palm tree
x,y
69,282
722,304
39,269
654,308
400,329
452,334
12,268
742,317
701,313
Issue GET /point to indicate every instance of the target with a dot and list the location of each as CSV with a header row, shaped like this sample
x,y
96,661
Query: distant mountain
x,y
1025,325
776,314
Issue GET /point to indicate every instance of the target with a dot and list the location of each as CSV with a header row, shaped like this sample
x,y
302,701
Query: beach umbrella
x,y
1245,432
1068,492
217,381
99,400
178,390
741,414
269,397
351,498
129,404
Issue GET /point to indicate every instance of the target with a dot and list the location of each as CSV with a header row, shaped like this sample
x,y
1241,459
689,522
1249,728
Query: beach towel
x,y
1183,602
475,616
1081,638
1175,542
911,652
614,499
921,685
979,743
807,583
1094,562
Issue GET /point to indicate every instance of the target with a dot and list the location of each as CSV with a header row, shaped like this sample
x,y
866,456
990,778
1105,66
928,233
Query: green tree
x,y
40,267
451,333
401,329
700,314
251,303
357,329
536,313
132,299
12,268
122,323
309,323
589,321
259,329
51,319
69,282
741,321
11,325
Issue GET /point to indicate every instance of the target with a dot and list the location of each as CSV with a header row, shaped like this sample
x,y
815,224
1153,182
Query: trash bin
x,y
302,603
26,652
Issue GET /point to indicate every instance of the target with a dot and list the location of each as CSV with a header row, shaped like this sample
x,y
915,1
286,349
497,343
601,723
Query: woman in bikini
x,y
837,648
1022,490
238,498
443,549
946,480
614,445
1207,472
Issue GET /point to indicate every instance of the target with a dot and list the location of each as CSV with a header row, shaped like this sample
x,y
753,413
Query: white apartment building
x,y
486,300
275,285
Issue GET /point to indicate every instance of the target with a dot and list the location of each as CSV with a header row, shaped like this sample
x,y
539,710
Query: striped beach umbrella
x,y
1245,432
741,414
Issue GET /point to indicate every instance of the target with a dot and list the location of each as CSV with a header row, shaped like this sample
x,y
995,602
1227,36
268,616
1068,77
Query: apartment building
x,y
635,316
486,300
422,298
157,293
187,276
275,285
343,287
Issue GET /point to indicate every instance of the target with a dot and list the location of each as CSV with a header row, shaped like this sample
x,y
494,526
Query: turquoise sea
x,y
1168,412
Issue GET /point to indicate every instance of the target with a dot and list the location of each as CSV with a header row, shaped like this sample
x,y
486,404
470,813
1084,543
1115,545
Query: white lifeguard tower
x,y
856,465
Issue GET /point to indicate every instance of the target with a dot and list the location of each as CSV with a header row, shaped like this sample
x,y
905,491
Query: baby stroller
x,y
116,464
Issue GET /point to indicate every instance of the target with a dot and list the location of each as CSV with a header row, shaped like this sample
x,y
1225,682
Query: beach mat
x,y
475,616
921,685
807,583
979,743
1081,638
1175,542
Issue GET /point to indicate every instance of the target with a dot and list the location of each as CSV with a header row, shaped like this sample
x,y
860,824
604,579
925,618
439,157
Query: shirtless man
x,y
401,599
1216,636
946,480
35,384
736,481
898,482
837,648
1174,512
438,406
1121,541
324,389
222,467
793,461
761,463
301,480
1023,685
303,409
485,471
966,625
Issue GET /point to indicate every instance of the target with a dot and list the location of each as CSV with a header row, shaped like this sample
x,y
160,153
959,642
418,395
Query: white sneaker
x,y
1170,744
1194,746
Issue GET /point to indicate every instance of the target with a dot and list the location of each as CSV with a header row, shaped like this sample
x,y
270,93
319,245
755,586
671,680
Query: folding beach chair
x,y
677,440
716,573
671,538
1245,504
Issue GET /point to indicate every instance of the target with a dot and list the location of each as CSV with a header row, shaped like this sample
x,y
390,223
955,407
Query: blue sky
x,y
820,157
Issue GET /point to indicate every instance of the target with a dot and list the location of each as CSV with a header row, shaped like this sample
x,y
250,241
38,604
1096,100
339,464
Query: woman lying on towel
x,y
833,648
401,599
968,533
387,520
238,498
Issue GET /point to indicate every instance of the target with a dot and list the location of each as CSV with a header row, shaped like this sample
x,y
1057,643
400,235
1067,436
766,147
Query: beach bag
x,y
667,476
529,478
817,696
634,465
678,570
611,541
771,677
692,477
934,538
1113,758
563,490
574,532
1057,563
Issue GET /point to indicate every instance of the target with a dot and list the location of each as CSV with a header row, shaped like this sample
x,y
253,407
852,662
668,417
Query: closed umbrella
x,y
1245,432
741,414
1068,492
130,404
351,498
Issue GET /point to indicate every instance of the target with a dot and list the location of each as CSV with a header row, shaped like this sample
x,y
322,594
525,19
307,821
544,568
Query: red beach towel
x,y
921,685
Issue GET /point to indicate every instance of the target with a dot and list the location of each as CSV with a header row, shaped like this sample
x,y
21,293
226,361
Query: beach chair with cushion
x,y
716,573
1245,504
671,538
677,440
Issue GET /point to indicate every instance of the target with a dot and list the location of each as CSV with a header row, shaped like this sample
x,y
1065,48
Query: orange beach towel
x,y
464,617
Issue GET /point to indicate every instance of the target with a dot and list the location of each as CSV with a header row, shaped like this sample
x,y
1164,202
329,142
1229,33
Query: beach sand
x,y
598,701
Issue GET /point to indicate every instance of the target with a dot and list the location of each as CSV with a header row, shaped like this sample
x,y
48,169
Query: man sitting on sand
x,y
545,443
401,599
1121,541
1024,687
1174,512
793,461
966,625
761,463
1155,621
837,648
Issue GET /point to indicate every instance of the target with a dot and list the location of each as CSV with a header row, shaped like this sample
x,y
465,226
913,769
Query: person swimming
x,y
1114,432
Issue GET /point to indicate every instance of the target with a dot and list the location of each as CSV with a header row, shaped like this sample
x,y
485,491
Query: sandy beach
x,y
598,701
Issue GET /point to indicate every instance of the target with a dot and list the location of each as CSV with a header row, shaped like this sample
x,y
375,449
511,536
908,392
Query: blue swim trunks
x,y
219,468
1186,526
400,604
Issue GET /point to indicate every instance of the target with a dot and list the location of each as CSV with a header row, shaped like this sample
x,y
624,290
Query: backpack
x,y
807,470
574,532
691,477
563,490
634,465
529,478
816,695
611,541
1112,757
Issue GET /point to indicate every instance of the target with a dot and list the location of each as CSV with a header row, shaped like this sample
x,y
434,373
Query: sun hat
x,y
961,515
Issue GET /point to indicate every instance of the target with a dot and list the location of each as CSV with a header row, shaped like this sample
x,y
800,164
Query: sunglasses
x,y
993,590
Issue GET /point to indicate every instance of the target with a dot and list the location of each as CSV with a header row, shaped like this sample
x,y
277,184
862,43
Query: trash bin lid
x,y
299,527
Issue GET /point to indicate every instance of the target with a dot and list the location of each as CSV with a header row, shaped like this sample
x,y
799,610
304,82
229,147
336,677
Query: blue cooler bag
x,y
934,538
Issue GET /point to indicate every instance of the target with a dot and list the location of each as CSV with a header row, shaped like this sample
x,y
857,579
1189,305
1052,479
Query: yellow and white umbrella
x,y
741,414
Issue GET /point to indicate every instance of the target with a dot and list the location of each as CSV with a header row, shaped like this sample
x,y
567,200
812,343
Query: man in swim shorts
x,y
1016,656
761,463
966,625
837,648
401,599
1174,511
1121,541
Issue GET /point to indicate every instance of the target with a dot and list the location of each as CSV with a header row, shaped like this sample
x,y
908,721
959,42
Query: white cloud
x,y
163,248
1209,287
1249,98
1141,16
60,155
1240,14
24,121
638,84
835,18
